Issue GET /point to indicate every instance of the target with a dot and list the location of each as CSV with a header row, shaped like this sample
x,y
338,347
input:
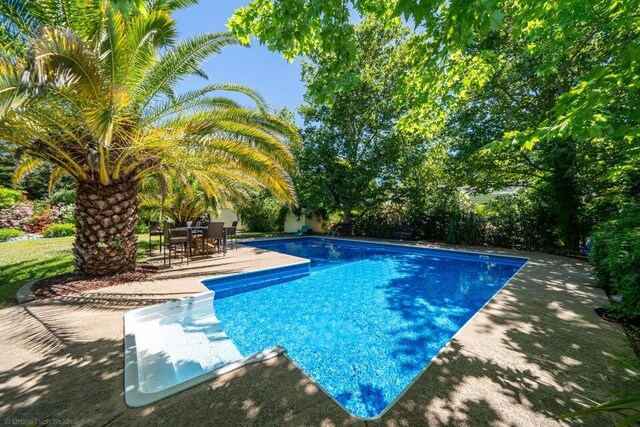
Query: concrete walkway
x,y
535,351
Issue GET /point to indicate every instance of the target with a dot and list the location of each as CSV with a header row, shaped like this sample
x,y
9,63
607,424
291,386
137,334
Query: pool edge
x,y
417,245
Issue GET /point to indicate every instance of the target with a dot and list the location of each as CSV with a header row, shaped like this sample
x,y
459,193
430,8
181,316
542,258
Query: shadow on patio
x,y
535,351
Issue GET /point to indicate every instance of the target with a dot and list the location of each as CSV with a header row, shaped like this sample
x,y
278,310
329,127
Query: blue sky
x,y
277,79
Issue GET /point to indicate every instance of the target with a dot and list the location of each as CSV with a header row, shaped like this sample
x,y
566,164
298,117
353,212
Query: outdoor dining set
x,y
195,239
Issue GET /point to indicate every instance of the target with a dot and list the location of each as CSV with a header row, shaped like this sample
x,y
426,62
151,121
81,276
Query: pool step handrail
x,y
332,233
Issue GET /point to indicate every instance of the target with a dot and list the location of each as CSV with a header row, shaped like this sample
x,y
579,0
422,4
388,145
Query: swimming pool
x,y
366,318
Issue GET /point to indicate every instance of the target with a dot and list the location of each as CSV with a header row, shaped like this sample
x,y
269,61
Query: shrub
x,y
18,216
466,228
9,198
377,222
142,226
263,213
34,217
450,218
62,197
616,258
9,233
59,230
60,213
519,221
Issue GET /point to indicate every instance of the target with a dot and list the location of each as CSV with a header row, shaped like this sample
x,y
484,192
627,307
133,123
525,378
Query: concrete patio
x,y
535,351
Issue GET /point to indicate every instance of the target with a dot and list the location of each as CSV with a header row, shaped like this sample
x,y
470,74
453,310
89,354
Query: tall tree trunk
x,y
565,192
347,215
106,240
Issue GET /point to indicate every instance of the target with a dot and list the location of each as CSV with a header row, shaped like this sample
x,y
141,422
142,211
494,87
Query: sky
x,y
275,78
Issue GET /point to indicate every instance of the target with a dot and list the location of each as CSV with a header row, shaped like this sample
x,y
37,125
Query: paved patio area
x,y
535,351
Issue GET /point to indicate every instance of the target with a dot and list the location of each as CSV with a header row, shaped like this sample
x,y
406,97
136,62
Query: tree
x,y
181,199
262,213
84,86
349,147
310,27
448,58
566,171
35,183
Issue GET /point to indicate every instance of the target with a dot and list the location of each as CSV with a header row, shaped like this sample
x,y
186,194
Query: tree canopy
x,y
451,56
349,146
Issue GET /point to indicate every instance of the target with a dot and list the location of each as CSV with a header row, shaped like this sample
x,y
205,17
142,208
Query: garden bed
x,y
633,333
72,283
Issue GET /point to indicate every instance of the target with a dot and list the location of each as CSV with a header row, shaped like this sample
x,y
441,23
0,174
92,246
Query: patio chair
x,y
177,238
154,230
231,235
303,230
166,228
214,231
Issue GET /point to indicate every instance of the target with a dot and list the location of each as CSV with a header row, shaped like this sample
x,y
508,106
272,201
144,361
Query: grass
x,y
35,259
27,260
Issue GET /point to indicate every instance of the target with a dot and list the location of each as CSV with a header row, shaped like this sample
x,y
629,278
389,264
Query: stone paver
x,y
535,351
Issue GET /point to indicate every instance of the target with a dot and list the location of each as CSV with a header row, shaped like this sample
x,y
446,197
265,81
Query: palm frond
x,y
253,163
55,176
145,34
83,17
180,61
260,102
62,59
170,5
173,5
252,128
17,24
13,93
196,100
25,166
112,52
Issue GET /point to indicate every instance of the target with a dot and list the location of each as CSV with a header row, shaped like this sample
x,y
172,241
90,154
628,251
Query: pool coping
x,y
443,348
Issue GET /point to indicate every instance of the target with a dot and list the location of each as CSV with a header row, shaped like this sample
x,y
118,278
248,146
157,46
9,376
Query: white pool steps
x,y
173,346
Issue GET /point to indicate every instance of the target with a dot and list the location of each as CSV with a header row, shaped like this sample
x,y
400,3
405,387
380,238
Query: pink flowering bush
x,y
32,218
61,213
18,216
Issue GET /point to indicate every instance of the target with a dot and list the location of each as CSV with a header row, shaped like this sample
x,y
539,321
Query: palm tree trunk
x,y
106,215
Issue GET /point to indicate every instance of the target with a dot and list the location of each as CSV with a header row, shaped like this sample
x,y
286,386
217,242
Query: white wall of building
x,y
227,216
293,223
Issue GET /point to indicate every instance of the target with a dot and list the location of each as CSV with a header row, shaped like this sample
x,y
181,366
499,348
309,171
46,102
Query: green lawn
x,y
34,259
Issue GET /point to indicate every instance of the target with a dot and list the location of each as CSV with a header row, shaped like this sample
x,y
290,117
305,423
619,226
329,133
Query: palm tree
x,y
181,199
87,86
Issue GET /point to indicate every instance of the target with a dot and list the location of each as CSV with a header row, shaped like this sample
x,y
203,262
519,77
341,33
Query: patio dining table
x,y
200,230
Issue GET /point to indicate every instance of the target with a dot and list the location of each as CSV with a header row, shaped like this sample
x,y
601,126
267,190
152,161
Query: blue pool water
x,y
366,319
